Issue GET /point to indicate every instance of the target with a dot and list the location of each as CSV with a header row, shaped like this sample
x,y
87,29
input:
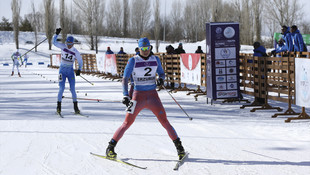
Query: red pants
x,y
151,101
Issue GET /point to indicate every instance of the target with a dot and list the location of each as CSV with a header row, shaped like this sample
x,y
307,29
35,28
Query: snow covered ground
x,y
222,138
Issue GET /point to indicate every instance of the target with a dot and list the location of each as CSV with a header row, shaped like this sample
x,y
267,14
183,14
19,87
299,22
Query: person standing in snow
x,y
109,51
287,38
121,51
68,55
16,57
298,42
143,68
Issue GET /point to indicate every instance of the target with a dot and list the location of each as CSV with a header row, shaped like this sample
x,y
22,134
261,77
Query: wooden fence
x,y
265,78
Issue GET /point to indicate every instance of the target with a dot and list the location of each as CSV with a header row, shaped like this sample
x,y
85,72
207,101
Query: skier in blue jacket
x,y
298,42
143,69
68,55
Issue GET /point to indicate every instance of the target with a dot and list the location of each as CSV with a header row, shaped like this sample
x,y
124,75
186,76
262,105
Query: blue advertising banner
x,y
222,57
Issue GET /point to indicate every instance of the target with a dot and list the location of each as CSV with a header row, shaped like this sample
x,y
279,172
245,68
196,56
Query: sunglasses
x,y
145,48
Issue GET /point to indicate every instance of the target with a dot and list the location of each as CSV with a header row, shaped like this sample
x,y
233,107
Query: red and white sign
x,y
191,68
56,59
107,63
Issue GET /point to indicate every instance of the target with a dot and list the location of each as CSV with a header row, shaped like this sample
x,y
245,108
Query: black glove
x,y
126,100
160,82
58,31
78,72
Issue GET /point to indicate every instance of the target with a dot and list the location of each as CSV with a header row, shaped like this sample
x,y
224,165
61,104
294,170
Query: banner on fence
x,y
106,63
302,82
191,68
56,59
222,60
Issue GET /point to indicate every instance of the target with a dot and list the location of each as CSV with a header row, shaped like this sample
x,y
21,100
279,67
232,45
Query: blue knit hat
x,y
144,42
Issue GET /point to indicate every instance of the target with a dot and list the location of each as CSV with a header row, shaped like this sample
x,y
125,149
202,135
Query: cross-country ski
x,y
118,160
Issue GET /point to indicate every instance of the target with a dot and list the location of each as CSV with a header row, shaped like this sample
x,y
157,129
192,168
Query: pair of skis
x,y
62,116
177,166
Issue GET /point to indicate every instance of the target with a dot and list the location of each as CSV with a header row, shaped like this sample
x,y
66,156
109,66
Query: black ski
x,y
59,114
81,114
180,162
118,160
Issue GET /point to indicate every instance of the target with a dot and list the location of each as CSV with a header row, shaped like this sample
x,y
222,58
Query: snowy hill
x,y
222,138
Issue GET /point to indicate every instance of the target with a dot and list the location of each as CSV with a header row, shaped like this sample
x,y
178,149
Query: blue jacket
x,y
298,42
260,51
287,37
280,48
109,52
121,52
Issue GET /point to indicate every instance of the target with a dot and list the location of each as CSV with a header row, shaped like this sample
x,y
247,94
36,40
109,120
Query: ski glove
x,y
78,72
126,100
58,31
160,82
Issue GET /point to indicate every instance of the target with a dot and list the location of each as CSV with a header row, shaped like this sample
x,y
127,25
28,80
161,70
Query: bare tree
x,y
34,22
284,12
113,16
15,6
176,22
216,11
49,21
64,20
91,12
125,17
189,21
257,9
203,13
140,17
157,23
99,10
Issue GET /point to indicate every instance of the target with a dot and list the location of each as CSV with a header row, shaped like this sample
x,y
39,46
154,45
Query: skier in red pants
x,y
143,69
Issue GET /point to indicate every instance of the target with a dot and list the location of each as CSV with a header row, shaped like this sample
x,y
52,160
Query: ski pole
x,y
86,80
190,118
91,99
34,47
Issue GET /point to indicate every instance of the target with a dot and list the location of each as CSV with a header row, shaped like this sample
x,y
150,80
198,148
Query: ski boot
x,y
180,149
12,73
76,109
19,74
110,149
58,109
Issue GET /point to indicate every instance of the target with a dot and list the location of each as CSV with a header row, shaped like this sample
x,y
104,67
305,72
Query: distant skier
x,y
68,55
143,68
16,58
25,59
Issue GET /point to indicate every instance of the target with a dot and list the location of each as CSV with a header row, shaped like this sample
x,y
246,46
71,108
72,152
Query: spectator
x,y
121,51
109,51
170,49
137,50
199,50
286,35
180,49
279,48
259,50
298,42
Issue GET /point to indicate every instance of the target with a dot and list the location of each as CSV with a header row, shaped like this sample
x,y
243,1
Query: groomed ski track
x,y
222,139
